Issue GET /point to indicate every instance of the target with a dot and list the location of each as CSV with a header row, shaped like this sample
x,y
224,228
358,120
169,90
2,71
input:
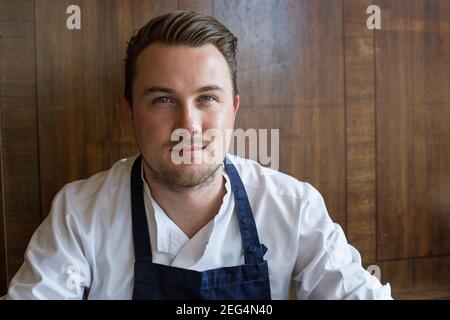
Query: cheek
x,y
150,129
224,124
220,120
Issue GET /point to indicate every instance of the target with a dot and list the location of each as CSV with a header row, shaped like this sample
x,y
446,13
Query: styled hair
x,y
181,28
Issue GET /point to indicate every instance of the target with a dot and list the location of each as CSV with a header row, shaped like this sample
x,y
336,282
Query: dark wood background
x,y
363,115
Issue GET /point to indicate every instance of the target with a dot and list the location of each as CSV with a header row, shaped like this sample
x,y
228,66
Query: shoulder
x,y
98,186
257,177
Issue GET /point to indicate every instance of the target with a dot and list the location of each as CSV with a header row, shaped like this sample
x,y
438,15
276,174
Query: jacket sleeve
x,y
327,267
55,266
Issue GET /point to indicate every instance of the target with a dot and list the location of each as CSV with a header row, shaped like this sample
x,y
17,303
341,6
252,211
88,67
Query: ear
x,y
236,105
126,106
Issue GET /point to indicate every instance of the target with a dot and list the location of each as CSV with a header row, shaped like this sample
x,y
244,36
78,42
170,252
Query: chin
x,y
189,175
188,168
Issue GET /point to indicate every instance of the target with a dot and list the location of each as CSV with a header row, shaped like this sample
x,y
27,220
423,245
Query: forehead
x,y
181,67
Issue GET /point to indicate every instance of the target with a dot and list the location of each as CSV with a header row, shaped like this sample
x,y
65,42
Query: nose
x,y
189,118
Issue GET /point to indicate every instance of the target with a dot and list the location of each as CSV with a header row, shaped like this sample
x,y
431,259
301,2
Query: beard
x,y
176,177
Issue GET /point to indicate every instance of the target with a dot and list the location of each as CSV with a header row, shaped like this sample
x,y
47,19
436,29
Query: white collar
x,y
170,239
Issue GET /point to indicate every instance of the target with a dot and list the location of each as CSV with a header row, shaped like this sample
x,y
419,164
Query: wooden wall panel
x,y
19,143
144,10
360,130
80,84
413,136
291,81
316,150
202,6
420,278
3,253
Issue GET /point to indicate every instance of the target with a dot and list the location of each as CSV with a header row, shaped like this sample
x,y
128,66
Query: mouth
x,y
187,149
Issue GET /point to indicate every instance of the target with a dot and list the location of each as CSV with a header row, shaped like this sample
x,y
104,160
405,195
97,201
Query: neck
x,y
190,208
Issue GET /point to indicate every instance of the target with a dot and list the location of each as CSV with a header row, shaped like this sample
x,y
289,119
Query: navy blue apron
x,y
156,281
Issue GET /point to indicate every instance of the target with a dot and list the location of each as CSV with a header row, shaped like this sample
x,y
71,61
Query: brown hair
x,y
181,28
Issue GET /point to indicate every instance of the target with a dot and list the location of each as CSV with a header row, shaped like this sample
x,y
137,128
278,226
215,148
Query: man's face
x,y
180,87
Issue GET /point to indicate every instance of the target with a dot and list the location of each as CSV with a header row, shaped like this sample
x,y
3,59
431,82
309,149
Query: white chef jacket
x,y
84,248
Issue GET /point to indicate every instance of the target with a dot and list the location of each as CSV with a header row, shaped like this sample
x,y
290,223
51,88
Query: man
x,y
152,227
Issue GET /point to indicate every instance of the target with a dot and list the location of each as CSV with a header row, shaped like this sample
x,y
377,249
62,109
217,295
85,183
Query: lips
x,y
188,149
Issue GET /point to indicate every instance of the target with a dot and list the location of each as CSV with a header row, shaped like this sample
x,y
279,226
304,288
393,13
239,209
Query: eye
x,y
207,98
161,100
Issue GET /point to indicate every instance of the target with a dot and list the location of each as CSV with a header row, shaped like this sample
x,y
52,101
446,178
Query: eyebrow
x,y
172,91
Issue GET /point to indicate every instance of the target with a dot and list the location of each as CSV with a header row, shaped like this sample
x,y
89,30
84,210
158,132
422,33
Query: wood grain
x,y
80,83
3,253
418,278
291,81
19,143
360,129
413,132
201,6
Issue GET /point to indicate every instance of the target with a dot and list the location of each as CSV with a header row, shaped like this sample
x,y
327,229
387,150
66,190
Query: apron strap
x,y
253,251
141,236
